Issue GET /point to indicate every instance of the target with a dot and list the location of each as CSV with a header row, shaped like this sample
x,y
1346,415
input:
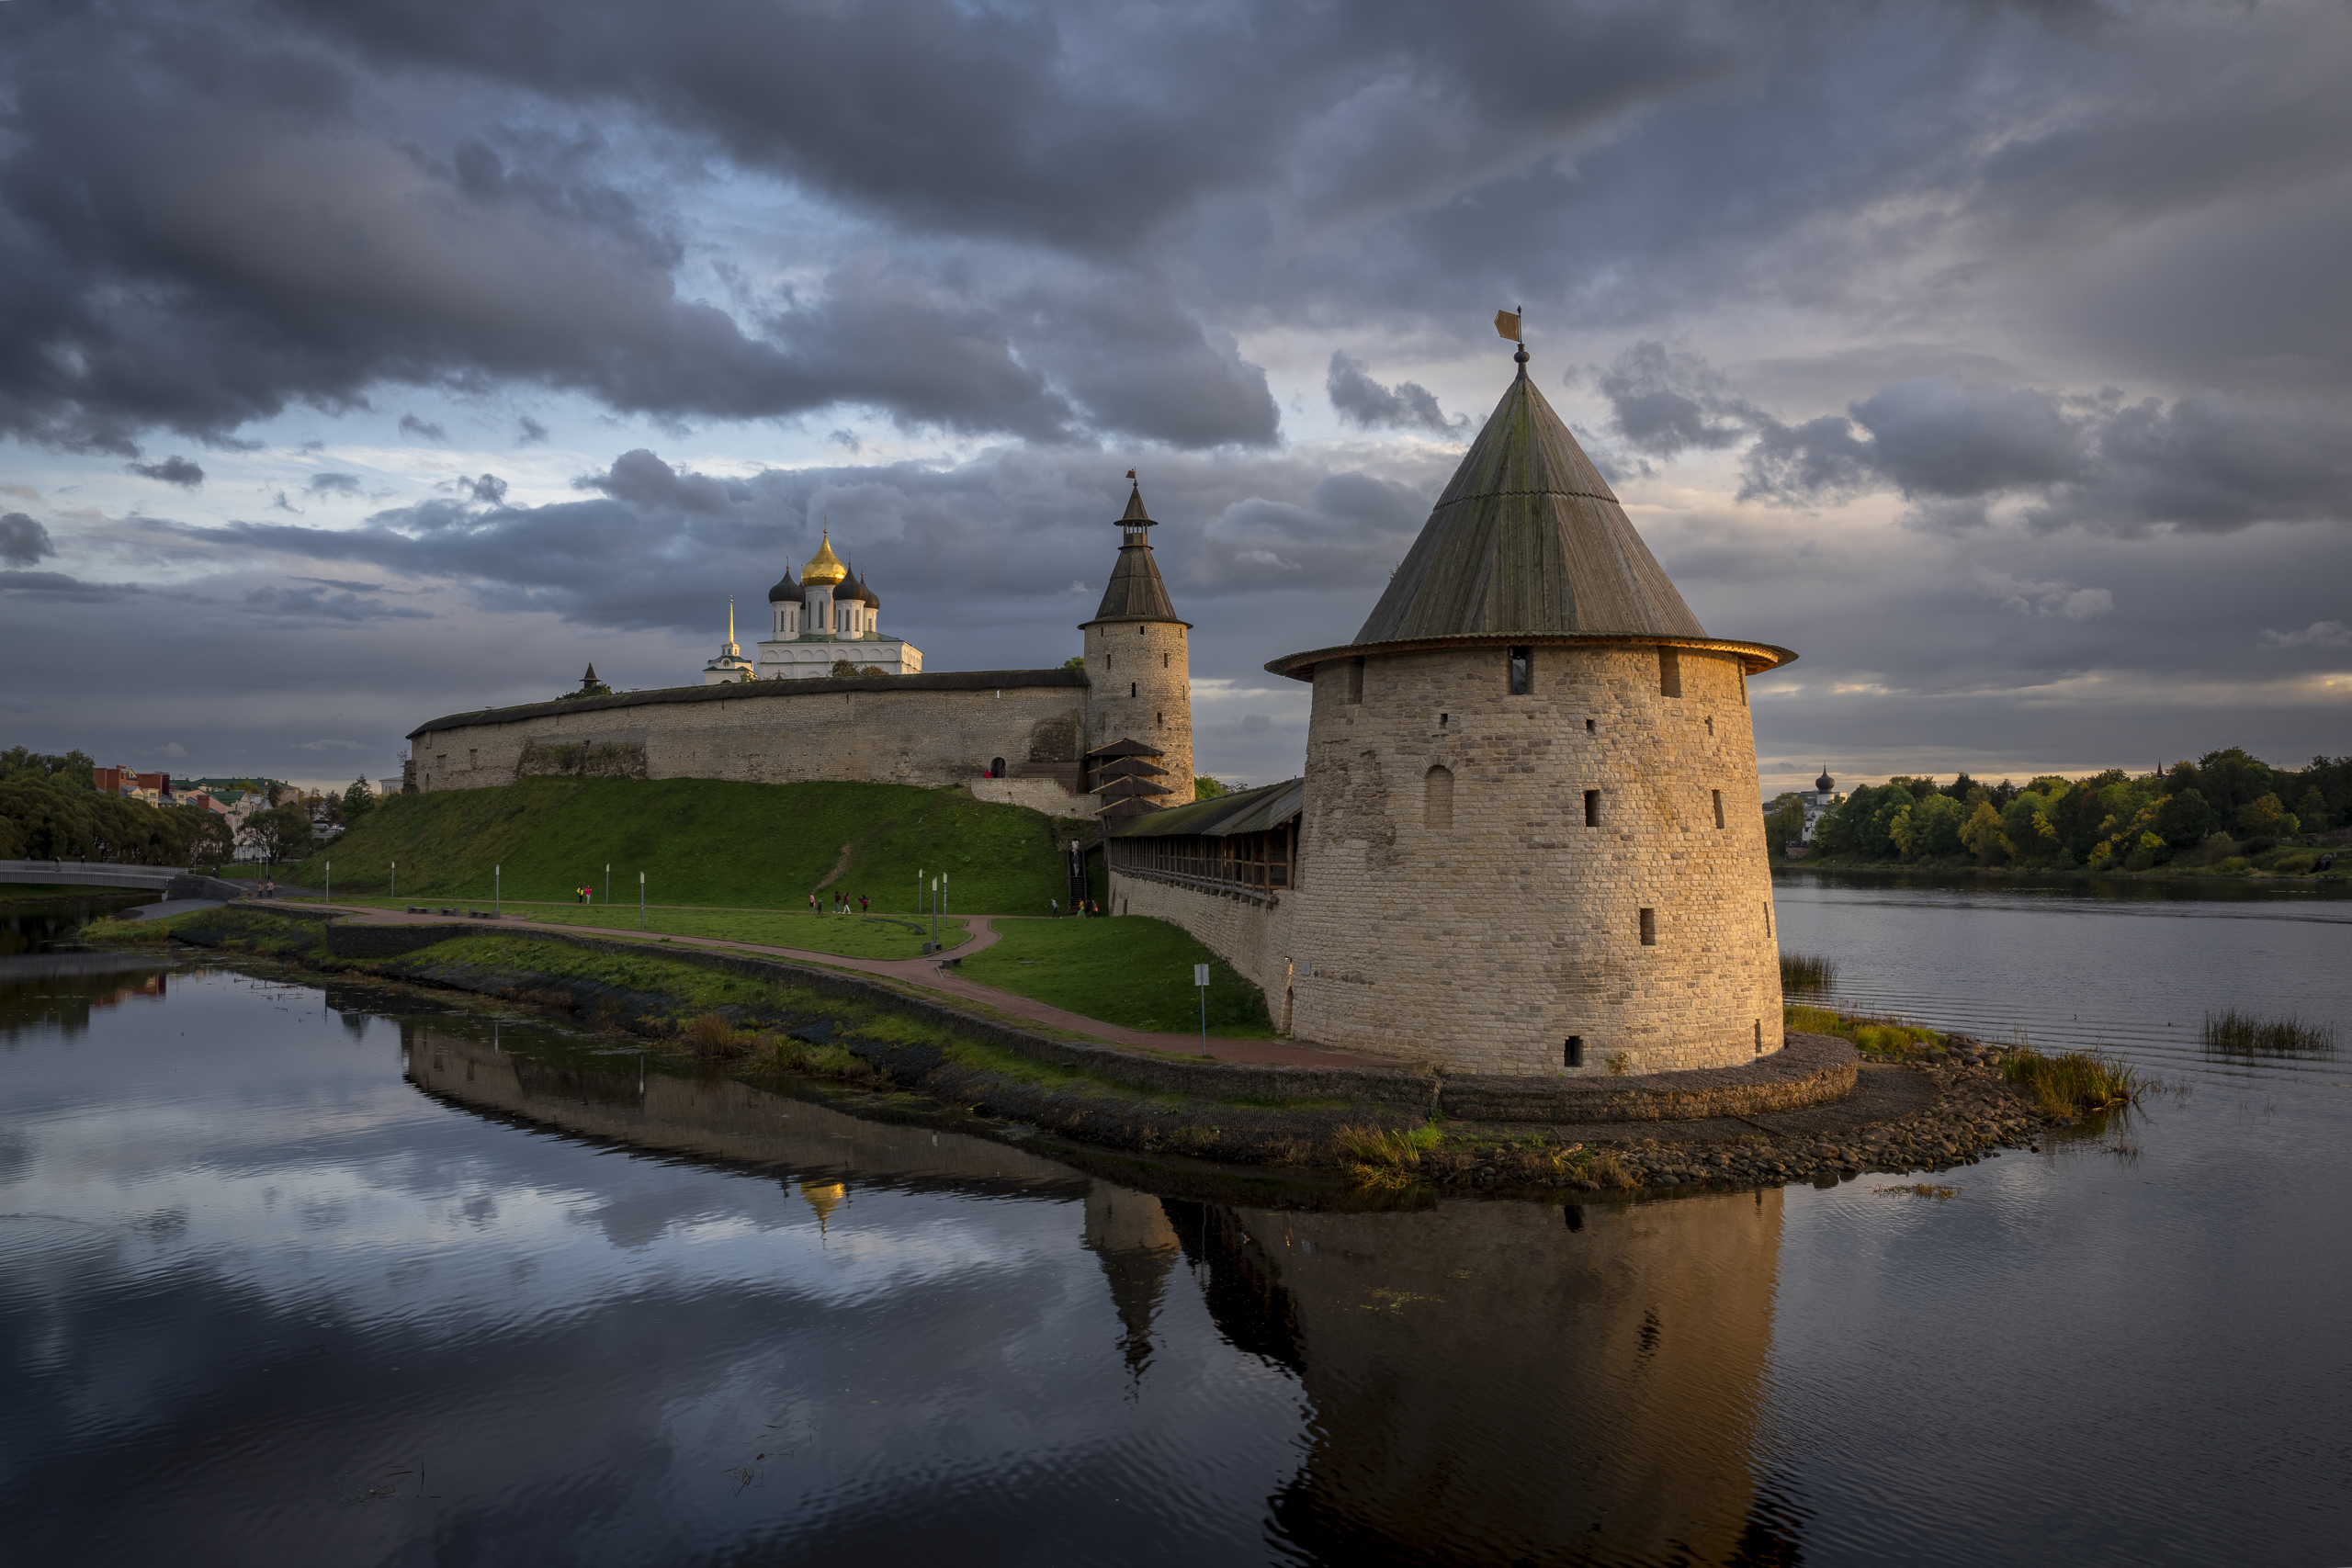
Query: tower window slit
x,y
1352,682
1768,917
1573,1054
1589,727
1719,808
1670,673
1437,798
1131,688
1649,928
1522,671
1760,1037
1592,808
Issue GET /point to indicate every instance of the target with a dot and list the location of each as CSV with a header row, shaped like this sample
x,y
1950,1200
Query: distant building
x,y
1819,801
814,616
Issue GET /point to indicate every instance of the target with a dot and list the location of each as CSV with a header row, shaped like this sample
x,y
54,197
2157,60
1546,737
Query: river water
x,y
319,1276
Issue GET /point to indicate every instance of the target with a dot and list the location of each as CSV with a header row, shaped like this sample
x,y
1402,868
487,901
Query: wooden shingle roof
x,y
1528,540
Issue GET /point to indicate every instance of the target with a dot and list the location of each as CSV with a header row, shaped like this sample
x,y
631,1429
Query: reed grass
x,y
2075,1082
1388,1158
2230,1032
1806,972
1887,1039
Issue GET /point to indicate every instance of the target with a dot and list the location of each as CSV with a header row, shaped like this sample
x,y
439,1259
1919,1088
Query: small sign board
x,y
1200,974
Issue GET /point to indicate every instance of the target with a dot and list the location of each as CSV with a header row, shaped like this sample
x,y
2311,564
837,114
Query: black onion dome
x,y
788,590
1825,783
856,588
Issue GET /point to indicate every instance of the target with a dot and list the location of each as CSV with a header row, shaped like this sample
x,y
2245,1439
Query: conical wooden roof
x,y
1528,540
1136,592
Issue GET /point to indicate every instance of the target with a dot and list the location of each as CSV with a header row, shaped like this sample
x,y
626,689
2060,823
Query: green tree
x,y
2311,809
2183,819
2265,817
282,833
1981,834
1075,662
358,801
1207,789
1783,821
1933,828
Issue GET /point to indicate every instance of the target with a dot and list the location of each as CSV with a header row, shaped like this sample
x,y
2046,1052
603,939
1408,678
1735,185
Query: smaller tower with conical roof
x,y
1139,677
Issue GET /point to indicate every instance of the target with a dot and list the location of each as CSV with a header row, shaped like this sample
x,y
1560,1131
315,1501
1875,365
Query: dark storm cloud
x,y
1366,404
2207,463
334,484
59,586
1664,401
411,425
1053,219
323,605
531,432
174,471
23,541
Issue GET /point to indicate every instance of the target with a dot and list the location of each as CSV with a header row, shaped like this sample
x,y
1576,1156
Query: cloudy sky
x,y
362,361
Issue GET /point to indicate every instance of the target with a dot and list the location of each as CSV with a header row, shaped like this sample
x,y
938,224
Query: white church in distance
x,y
827,617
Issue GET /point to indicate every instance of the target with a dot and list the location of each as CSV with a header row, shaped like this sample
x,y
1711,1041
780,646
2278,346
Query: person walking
x,y
864,905
812,903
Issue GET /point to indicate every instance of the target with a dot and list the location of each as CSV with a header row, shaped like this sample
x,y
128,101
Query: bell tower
x,y
1139,681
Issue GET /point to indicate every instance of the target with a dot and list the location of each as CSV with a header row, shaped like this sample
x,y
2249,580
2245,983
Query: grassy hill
x,y
704,841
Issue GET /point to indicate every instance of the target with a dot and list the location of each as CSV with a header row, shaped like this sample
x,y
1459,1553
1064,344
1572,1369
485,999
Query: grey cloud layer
x,y
1048,221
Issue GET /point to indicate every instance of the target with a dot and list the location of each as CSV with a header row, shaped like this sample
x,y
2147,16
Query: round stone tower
x,y
1532,842
1139,681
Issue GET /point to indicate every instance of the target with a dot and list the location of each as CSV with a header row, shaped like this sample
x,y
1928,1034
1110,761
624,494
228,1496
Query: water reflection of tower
x,y
1491,1383
1129,1233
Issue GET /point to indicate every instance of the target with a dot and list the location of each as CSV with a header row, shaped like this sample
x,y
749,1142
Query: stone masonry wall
x,y
1152,659
1252,936
1484,944
907,735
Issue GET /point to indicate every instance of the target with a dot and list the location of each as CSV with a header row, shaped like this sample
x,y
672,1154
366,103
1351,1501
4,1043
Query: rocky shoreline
x,y
1932,1111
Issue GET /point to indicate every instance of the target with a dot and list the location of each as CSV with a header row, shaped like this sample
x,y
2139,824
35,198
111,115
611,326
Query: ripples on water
x,y
290,1279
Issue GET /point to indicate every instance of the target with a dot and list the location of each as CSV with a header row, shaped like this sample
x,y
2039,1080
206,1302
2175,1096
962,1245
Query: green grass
x,y
1134,971
701,841
852,936
2074,1082
1886,1039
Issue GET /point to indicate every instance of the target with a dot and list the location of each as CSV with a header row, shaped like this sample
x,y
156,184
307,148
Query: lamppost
x,y
329,897
608,882
640,900
1201,978
396,879
497,893
934,914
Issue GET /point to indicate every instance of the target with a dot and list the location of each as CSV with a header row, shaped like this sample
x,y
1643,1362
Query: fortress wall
x,y
872,731
1037,795
1254,938
1487,942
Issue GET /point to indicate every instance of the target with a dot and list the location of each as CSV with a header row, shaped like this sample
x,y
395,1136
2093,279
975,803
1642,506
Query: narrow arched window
x,y
1522,671
996,768
1437,798
1670,673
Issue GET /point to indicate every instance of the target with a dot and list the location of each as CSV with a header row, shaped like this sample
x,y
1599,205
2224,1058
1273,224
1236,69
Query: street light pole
x,y
396,879
640,900
934,914
497,892
329,894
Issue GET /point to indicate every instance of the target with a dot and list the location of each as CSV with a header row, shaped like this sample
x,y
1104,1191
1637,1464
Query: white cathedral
x,y
814,616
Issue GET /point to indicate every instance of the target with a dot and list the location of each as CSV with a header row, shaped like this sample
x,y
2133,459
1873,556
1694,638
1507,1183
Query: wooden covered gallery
x,y
1246,842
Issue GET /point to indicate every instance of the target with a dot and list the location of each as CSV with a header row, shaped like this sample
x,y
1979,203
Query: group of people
x,y
585,894
840,903
1085,908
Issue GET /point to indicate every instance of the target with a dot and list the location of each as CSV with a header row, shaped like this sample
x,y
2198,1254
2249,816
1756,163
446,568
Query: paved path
x,y
932,975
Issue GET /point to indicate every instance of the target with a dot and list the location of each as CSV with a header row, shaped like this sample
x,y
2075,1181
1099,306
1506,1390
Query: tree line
x,y
2109,822
51,808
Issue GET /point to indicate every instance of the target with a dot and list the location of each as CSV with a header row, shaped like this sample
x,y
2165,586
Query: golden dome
x,y
824,568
